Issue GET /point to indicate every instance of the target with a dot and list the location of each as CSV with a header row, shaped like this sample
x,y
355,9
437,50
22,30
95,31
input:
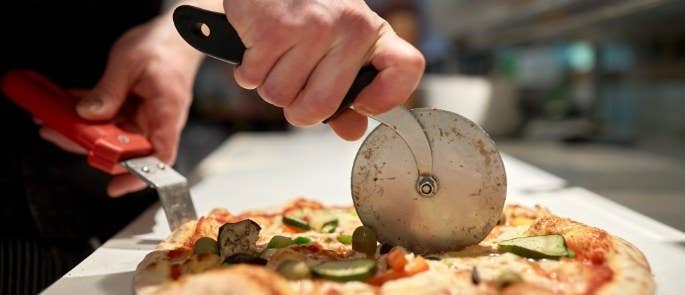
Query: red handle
x,y
107,145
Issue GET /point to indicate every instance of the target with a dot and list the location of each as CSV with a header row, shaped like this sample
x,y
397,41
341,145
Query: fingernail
x,y
90,104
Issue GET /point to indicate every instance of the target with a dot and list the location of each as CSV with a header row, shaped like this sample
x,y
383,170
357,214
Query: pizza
x,y
305,247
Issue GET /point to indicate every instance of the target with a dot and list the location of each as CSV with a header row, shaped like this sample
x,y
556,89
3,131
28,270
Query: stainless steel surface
x,y
467,167
171,187
404,124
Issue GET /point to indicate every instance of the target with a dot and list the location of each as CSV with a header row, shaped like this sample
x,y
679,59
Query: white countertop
x,y
256,170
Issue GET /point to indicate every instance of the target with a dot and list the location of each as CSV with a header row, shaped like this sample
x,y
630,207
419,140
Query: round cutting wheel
x,y
470,191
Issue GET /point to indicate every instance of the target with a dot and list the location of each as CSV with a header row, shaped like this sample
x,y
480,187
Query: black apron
x,y
54,206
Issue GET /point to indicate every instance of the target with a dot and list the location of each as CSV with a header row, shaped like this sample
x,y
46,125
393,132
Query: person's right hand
x,y
302,55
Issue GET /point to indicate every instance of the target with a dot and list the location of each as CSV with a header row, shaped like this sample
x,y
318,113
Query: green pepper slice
x,y
277,242
294,222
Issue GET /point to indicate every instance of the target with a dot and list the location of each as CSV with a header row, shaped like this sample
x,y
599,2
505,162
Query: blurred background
x,y
592,91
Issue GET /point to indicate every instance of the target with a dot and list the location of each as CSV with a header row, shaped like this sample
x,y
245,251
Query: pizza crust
x,y
155,269
238,280
179,236
632,274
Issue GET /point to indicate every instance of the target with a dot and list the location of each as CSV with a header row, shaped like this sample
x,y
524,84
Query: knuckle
x,y
275,93
322,106
247,75
319,20
415,61
361,23
315,109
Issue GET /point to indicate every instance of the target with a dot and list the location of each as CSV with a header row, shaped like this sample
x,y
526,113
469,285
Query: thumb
x,y
104,101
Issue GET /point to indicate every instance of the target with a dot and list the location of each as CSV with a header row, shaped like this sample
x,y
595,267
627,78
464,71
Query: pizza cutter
x,y
110,149
426,179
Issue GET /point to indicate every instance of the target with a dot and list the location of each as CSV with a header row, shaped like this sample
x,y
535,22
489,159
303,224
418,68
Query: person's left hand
x,y
146,88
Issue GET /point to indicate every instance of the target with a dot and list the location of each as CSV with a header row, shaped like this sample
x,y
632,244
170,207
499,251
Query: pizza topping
x,y
506,278
175,271
502,219
206,245
601,274
302,240
296,223
244,258
475,276
536,247
329,226
400,267
385,248
364,240
519,221
346,270
278,242
294,269
239,237
571,253
396,259
178,253
345,239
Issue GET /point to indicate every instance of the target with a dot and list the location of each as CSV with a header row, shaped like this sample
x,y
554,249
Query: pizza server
x,y
109,148
426,179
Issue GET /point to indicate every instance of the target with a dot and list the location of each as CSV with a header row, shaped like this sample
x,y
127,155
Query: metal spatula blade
x,y
171,187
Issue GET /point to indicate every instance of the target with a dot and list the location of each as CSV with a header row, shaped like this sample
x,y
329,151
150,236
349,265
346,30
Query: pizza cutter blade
x,y
437,186
429,180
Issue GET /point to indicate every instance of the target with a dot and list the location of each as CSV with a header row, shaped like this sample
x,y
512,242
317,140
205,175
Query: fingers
x,y
104,101
164,112
257,62
331,79
304,55
400,67
266,38
123,184
291,72
349,125
61,141
322,95
79,92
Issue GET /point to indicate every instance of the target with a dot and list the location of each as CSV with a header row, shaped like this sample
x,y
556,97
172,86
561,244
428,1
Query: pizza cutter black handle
x,y
211,33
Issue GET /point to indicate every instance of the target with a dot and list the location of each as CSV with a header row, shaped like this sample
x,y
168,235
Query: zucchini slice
x,y
536,247
346,270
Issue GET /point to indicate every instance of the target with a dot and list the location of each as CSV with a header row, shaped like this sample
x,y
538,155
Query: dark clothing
x,y
52,203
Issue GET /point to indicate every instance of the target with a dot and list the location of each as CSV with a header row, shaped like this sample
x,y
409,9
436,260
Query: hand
x,y
146,88
302,55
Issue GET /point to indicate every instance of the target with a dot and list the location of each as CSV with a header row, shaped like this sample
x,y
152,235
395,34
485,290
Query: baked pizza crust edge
x,y
238,279
631,271
153,271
